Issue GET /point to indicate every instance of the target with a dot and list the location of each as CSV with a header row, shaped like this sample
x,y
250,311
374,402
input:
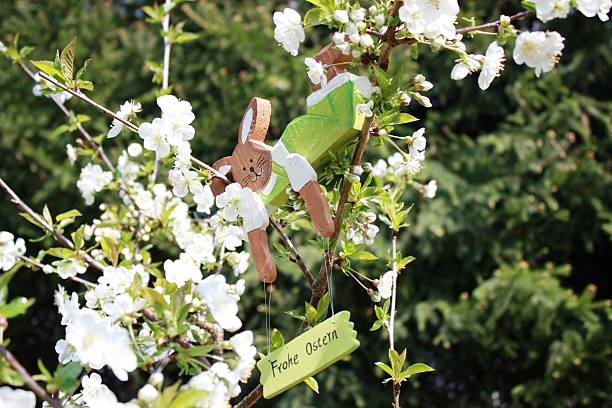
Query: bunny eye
x,y
251,160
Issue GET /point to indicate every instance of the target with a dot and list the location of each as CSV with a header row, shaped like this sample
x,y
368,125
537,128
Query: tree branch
x,y
20,204
27,378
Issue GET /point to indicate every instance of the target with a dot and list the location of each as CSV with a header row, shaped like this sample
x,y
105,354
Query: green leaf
x,y
402,118
196,351
6,277
48,67
364,255
397,361
296,315
322,307
529,5
312,383
417,368
68,214
188,399
156,300
376,326
382,79
67,59
83,69
87,85
43,369
63,253
47,215
277,340
78,237
315,16
66,376
185,37
311,312
384,367
16,307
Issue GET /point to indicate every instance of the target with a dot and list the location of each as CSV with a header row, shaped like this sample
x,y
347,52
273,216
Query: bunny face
x,y
252,165
251,161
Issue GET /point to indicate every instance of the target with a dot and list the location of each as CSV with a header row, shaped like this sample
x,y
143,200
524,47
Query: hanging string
x,y
266,314
330,282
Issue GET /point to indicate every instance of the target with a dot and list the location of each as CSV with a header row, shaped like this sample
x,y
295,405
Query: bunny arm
x,y
303,179
266,269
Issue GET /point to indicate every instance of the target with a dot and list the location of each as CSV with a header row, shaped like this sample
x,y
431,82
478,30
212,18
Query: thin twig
x,y
93,144
87,99
393,290
465,30
41,267
494,24
20,204
27,378
296,257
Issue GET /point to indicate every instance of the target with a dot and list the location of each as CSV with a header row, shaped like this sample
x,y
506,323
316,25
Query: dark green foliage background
x,y
509,296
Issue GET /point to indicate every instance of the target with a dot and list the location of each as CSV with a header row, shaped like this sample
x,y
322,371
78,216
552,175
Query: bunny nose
x,y
251,168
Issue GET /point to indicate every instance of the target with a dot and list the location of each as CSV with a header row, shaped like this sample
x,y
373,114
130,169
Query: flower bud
x,y
148,393
353,178
404,99
358,170
367,166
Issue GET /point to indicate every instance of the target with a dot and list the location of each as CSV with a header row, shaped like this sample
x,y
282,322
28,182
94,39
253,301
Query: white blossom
x,y
430,18
229,200
147,393
10,250
538,50
69,268
366,40
365,109
341,16
592,8
430,189
71,153
289,31
125,111
385,284
134,149
95,394
492,65
380,168
96,343
92,180
549,9
316,71
177,115
469,64
16,398
204,199
181,271
155,136
184,181
223,306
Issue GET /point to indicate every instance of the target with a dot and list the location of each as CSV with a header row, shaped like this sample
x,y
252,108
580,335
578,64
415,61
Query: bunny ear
x,y
224,167
255,121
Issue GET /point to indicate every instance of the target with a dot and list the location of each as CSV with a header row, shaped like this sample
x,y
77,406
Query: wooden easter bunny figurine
x,y
331,122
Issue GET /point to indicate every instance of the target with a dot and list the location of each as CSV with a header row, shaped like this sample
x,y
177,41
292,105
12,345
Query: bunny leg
x,y
318,208
258,240
303,180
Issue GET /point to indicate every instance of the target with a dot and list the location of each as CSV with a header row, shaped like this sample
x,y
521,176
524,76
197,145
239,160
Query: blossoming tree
x,y
146,313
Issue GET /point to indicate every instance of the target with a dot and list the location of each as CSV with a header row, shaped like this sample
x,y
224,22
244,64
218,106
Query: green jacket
x,y
331,122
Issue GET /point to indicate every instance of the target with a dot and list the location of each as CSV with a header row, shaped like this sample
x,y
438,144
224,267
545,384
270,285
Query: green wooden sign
x,y
307,354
